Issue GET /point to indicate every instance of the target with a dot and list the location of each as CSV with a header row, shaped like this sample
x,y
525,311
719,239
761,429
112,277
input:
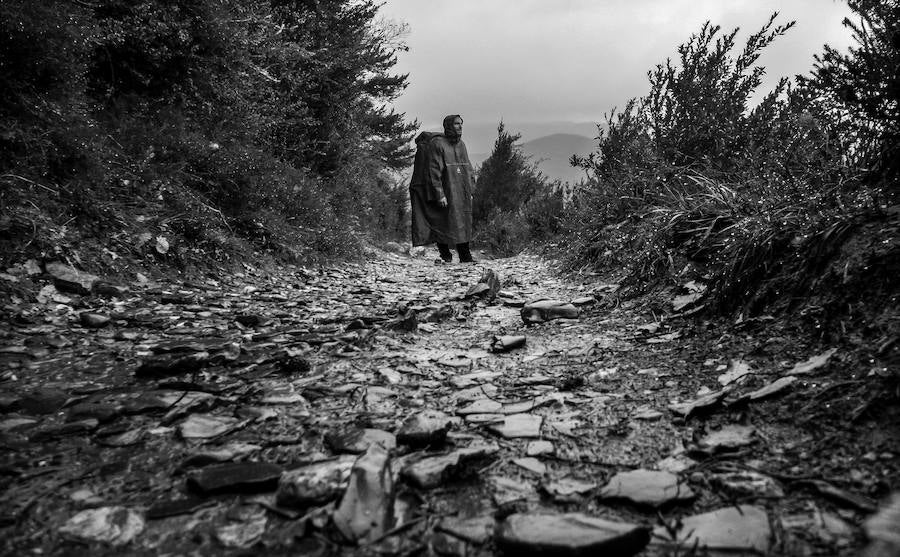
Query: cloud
x,y
543,60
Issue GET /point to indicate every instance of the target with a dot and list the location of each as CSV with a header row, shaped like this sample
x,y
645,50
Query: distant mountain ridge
x,y
552,154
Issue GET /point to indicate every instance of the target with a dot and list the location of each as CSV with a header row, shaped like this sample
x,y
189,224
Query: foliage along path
x,y
377,408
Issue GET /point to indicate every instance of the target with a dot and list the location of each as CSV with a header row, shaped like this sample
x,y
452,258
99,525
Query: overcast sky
x,y
529,61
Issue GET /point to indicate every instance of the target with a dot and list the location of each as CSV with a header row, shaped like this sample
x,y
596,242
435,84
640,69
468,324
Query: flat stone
x,y
568,490
737,370
647,414
221,454
482,406
773,388
647,487
519,425
700,405
244,477
547,310
355,440
69,279
485,418
510,490
531,464
728,438
538,448
431,472
813,364
748,483
423,429
199,426
93,320
12,424
314,484
584,301
744,528
676,464
477,530
243,534
565,535
115,526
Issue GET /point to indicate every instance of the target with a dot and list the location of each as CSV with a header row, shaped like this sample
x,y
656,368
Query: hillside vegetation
x,y
767,203
177,131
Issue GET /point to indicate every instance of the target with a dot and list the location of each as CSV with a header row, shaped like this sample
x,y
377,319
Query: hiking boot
x,y
465,256
444,250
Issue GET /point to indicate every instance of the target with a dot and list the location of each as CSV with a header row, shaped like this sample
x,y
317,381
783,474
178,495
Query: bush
x,y
513,205
262,119
694,172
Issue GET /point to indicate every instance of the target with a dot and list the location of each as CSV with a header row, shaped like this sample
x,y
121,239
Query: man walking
x,y
441,191
450,167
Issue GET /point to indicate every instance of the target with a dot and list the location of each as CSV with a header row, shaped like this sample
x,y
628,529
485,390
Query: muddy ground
x,y
390,408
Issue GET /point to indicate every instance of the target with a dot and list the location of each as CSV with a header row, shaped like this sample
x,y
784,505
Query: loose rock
x,y
69,279
92,320
567,535
424,429
519,425
365,512
244,477
354,440
548,310
431,472
647,487
507,342
477,530
728,438
116,526
744,528
314,484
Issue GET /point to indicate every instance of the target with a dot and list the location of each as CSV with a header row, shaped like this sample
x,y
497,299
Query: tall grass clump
x,y
752,189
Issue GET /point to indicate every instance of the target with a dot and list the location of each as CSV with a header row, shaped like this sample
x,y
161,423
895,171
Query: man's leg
x,y
465,256
444,250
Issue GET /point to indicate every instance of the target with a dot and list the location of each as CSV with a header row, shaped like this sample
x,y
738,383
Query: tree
x,y
507,179
862,86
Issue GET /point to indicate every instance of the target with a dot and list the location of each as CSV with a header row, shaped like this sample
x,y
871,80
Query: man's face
x,y
457,126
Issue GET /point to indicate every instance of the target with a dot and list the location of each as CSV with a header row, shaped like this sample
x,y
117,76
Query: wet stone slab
x,y
355,440
647,488
423,429
518,425
569,535
314,484
742,530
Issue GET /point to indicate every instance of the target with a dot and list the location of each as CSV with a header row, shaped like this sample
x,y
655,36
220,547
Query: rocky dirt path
x,y
399,407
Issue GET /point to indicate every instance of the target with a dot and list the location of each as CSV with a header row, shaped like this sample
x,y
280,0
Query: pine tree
x,y
507,180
